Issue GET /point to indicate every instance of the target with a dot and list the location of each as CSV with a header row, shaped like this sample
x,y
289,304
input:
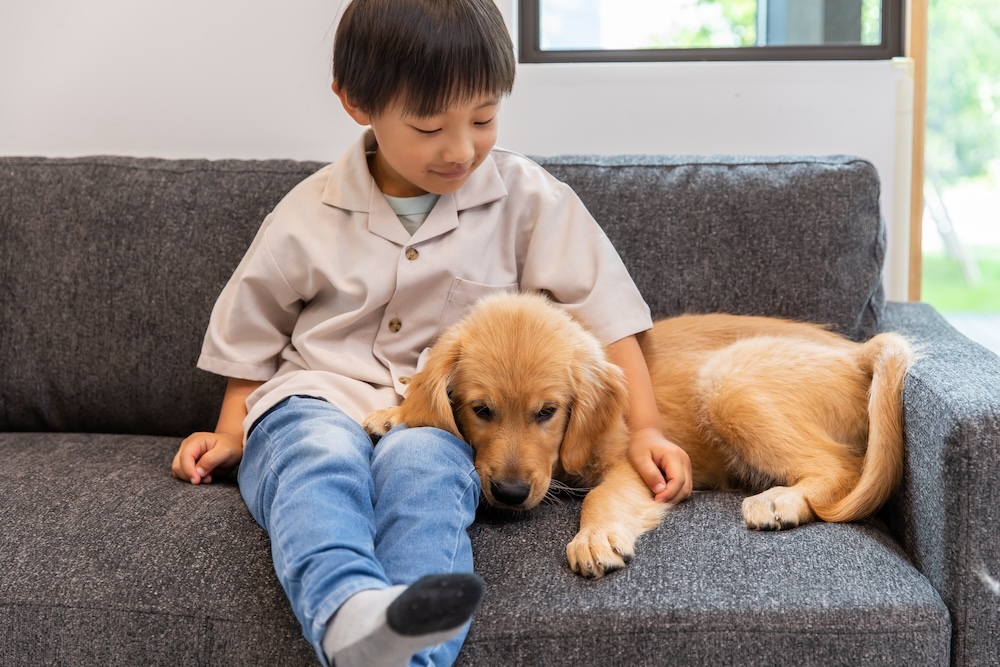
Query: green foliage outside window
x,y
733,23
963,89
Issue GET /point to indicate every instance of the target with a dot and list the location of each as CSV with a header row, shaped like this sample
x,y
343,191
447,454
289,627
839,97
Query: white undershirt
x,y
412,211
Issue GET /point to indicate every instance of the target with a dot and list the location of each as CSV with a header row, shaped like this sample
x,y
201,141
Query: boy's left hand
x,y
665,467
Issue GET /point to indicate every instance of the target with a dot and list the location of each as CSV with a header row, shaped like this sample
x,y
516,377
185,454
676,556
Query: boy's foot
x,y
385,627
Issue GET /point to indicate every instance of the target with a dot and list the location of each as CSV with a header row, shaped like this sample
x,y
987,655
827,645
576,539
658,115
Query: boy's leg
x,y
426,494
306,478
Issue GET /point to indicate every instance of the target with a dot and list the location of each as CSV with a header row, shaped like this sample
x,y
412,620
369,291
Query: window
x,y
681,30
961,237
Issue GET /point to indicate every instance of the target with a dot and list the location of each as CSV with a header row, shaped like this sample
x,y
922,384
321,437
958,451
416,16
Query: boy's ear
x,y
359,116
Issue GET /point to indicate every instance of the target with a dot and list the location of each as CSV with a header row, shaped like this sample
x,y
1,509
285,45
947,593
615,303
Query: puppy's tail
x,y
887,357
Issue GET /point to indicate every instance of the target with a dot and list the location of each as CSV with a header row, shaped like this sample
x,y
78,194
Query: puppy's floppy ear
x,y
599,406
427,402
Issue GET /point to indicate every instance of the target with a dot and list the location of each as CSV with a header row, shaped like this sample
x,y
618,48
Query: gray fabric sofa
x,y
109,267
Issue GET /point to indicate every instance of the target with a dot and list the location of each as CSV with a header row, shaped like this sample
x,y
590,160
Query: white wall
x,y
169,78
249,79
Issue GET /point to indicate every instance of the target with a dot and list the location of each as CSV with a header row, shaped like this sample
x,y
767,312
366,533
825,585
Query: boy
x,y
349,280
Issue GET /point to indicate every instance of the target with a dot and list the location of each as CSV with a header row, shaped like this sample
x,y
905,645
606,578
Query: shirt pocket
x,y
463,296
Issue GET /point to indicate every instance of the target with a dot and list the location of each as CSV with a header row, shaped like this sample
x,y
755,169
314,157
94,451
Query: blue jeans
x,y
344,516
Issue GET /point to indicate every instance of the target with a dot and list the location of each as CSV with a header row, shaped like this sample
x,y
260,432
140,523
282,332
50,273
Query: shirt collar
x,y
350,185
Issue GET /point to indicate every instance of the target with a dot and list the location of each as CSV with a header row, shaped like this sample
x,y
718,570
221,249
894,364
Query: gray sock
x,y
385,627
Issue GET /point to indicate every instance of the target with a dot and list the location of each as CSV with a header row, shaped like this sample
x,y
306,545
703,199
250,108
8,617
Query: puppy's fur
x,y
808,420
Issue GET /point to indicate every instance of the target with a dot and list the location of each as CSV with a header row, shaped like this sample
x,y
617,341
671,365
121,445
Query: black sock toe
x,y
435,603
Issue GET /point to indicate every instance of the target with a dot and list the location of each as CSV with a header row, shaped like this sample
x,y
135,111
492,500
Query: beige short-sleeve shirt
x,y
335,299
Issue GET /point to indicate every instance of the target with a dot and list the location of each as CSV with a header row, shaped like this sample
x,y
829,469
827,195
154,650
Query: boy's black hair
x,y
425,54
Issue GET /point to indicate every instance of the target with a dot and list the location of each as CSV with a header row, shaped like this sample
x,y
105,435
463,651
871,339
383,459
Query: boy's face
x,y
417,155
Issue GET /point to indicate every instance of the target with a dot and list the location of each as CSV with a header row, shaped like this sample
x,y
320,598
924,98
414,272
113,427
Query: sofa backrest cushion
x,y
109,266
795,237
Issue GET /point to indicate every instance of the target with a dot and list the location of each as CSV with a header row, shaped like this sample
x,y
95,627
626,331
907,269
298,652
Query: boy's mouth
x,y
451,174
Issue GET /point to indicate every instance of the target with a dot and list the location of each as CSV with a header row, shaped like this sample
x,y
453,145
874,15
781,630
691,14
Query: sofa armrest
x,y
946,512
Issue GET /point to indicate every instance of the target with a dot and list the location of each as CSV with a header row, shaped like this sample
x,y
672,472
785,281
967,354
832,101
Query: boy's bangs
x,y
455,73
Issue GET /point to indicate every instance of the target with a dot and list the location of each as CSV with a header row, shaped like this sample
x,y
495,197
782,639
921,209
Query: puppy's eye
x,y
545,414
483,411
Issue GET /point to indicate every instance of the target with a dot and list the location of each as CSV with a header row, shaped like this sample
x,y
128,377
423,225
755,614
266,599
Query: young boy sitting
x,y
348,282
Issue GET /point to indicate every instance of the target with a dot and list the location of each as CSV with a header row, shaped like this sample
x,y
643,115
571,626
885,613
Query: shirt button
x,y
395,324
404,379
411,254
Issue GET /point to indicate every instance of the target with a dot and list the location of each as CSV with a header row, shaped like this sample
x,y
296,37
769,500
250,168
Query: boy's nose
x,y
459,151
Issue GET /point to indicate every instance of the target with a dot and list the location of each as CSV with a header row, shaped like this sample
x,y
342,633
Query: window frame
x,y
891,46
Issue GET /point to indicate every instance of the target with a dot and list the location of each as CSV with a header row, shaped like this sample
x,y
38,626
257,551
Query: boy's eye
x,y
422,131
485,122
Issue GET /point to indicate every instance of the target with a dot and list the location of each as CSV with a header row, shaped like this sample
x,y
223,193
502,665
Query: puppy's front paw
x,y
380,422
776,509
597,551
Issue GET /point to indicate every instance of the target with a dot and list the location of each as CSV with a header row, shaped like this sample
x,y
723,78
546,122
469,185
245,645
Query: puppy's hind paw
x,y
778,508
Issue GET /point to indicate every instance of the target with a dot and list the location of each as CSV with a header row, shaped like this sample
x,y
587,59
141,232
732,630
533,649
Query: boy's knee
x,y
424,448
310,431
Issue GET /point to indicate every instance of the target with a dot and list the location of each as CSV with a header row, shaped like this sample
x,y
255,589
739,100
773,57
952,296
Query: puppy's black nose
x,y
510,492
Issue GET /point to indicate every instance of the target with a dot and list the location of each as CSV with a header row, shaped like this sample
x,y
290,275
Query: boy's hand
x,y
202,454
665,467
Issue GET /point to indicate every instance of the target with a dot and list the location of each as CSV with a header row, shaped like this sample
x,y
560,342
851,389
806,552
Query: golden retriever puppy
x,y
805,419
532,392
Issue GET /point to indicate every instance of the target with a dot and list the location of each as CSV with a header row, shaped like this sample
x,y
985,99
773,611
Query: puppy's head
x,y
530,390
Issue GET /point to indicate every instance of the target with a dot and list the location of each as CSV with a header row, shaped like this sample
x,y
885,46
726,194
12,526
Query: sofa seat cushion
x,y
108,560
704,590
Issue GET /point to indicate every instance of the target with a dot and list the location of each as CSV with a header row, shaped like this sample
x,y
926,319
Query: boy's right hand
x,y
203,454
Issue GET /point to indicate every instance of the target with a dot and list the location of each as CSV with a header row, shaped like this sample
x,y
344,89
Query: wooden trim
x,y
916,48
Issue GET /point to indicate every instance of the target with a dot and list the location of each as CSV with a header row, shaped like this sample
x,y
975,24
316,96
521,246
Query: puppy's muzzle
x,y
510,492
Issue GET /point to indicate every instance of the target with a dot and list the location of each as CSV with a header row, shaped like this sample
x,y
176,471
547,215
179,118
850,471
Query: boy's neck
x,y
387,185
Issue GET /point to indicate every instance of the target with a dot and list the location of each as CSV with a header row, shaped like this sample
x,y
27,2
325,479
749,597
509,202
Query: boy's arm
x,y
201,454
665,467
